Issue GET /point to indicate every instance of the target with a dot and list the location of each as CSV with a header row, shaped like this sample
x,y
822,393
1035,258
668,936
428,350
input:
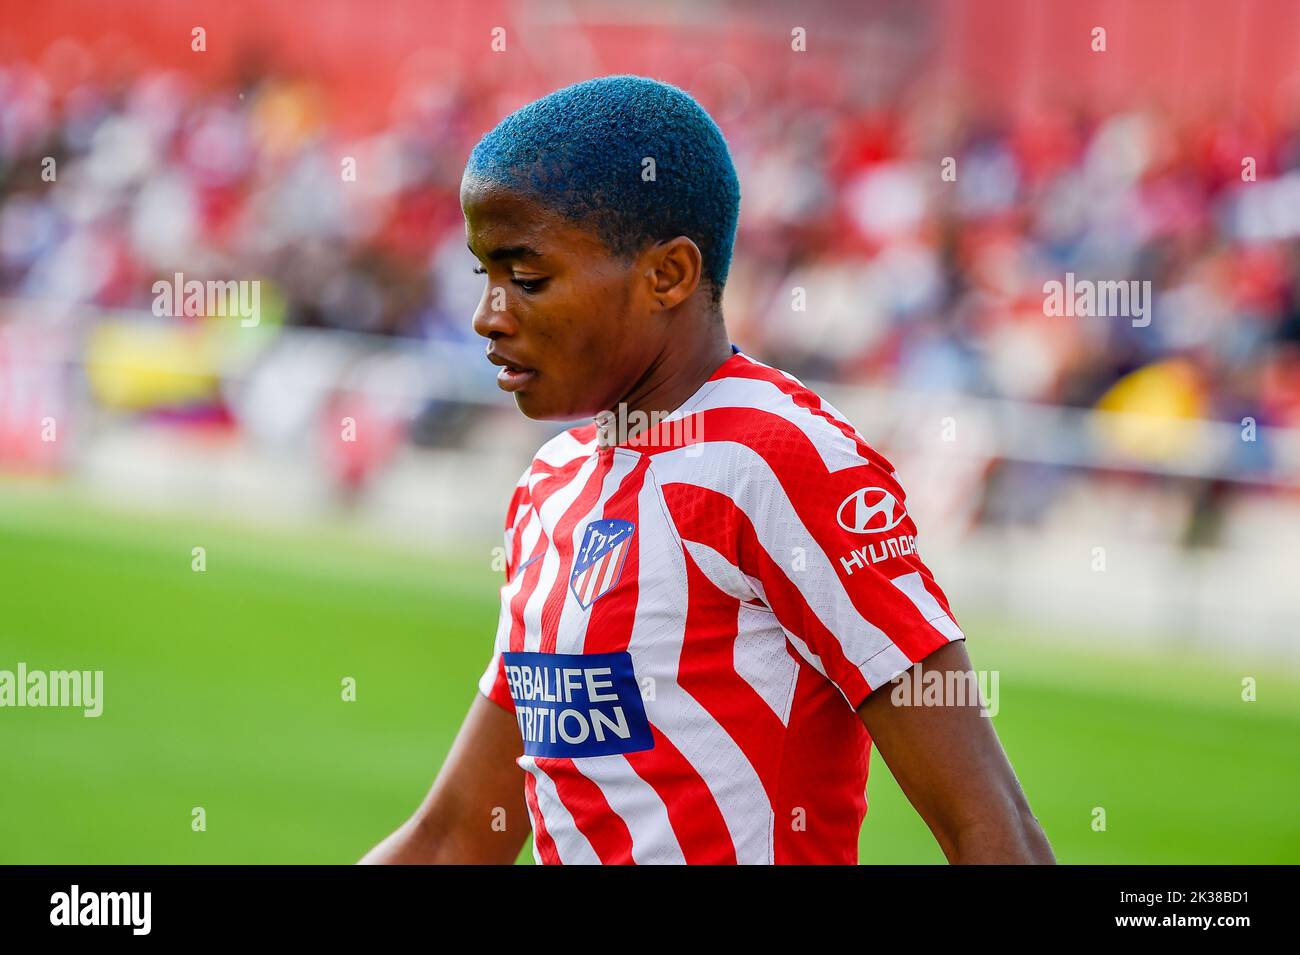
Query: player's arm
x,y
475,811
948,761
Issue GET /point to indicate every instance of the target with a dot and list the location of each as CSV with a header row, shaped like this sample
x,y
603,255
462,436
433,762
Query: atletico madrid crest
x,y
599,561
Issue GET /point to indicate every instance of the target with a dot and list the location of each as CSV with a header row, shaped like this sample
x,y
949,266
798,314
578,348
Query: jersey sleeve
x,y
832,552
492,683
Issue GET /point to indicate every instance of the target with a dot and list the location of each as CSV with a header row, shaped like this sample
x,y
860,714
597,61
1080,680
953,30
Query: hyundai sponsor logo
x,y
870,510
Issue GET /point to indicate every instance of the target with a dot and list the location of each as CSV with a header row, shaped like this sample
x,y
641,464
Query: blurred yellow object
x,y
1152,413
134,366
285,115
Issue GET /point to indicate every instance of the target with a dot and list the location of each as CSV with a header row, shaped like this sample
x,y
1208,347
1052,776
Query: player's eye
x,y
531,286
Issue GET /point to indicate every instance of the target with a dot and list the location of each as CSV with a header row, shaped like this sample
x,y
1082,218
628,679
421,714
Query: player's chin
x,y
535,403
537,400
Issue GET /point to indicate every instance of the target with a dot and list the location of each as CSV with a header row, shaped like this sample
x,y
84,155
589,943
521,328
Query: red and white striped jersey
x,y
690,620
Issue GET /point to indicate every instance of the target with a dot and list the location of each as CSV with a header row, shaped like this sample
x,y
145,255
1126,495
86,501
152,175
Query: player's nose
x,y
492,322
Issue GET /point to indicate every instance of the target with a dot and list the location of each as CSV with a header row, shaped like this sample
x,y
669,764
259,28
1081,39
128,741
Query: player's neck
x,y
678,372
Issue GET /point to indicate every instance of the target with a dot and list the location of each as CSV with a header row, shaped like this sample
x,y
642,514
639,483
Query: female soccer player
x,y
713,586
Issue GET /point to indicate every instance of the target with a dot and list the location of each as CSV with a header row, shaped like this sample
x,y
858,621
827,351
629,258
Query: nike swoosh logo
x,y
536,557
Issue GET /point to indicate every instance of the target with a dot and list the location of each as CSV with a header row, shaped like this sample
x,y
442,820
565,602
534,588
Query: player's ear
x,y
674,269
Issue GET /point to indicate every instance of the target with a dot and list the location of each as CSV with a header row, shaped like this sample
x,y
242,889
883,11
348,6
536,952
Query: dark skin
x,y
580,330
595,329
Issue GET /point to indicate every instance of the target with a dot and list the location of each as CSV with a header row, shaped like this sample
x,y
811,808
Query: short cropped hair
x,y
583,152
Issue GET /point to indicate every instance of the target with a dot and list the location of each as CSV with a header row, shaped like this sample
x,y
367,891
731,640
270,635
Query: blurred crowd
x,y
904,244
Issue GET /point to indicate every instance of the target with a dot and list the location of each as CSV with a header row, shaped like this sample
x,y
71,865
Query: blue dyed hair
x,y
581,151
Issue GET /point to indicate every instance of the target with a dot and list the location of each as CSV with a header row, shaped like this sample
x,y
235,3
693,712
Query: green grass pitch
x,y
222,690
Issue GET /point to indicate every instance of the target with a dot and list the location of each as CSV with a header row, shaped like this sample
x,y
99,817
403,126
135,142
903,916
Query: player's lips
x,y
512,375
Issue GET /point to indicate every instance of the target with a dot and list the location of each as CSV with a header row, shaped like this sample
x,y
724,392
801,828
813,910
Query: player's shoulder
x,y
773,414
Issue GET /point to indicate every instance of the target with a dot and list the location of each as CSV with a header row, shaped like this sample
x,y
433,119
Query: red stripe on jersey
x,y
543,489
933,589
517,500
609,628
806,398
604,828
542,840
500,691
579,436
732,534
804,479
595,819
532,573
707,671
817,760
813,758
556,479
788,603
693,813
517,531
563,542
810,401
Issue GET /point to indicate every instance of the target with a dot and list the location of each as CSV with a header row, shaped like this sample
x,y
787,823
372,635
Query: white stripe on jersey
x,y
656,647
531,531
934,614
819,582
884,666
762,661
528,532
490,674
570,609
760,656
836,449
571,845
562,449
638,805
721,572
526,523
553,507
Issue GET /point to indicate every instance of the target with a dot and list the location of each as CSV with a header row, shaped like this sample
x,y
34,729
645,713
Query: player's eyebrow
x,y
505,253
